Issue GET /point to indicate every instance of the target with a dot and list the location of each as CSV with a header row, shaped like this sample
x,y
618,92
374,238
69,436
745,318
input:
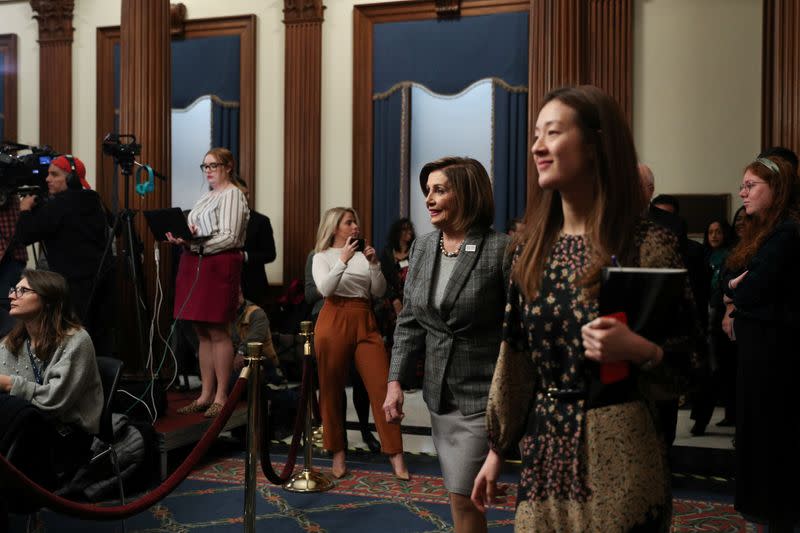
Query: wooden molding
x,y
302,11
55,19
780,95
245,27
177,20
302,132
55,72
8,49
448,9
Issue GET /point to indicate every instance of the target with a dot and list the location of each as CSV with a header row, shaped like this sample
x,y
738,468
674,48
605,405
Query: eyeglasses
x,y
210,166
748,185
19,292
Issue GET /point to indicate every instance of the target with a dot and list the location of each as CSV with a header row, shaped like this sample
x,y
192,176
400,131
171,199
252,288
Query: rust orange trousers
x,y
346,329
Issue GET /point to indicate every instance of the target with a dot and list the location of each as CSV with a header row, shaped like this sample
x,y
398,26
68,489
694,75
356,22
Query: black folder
x,y
651,298
173,220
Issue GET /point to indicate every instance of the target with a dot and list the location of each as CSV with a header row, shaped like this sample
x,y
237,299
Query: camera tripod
x,y
132,248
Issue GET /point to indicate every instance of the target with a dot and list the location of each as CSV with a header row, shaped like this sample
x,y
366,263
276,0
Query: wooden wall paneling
x,y
609,49
106,39
8,48
362,119
145,110
364,19
780,109
302,125
55,72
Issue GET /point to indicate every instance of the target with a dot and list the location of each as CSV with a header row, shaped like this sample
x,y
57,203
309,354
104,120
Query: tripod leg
x,y
134,265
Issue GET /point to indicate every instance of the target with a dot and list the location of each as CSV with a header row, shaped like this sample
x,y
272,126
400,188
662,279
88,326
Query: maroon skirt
x,y
215,296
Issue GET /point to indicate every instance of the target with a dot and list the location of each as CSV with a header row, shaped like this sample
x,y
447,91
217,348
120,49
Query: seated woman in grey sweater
x,y
47,362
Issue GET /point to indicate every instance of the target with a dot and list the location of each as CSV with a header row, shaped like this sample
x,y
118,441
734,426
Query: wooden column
x,y
609,49
780,99
8,49
303,85
55,72
145,103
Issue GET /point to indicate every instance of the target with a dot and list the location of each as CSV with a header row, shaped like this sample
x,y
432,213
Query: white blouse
x,y
357,279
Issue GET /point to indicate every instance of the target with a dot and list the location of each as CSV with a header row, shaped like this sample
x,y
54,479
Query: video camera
x,y
23,174
124,153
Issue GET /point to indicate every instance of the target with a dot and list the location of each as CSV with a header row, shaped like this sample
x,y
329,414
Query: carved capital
x,y
177,20
448,9
55,19
300,11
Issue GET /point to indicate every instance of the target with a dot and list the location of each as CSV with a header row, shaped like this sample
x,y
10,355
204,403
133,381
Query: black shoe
x,y
726,422
698,430
369,439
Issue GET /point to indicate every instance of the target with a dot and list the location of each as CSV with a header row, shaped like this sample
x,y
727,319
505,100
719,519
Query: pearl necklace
x,y
445,252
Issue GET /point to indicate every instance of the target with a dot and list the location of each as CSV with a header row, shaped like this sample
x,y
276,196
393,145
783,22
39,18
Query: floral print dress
x,y
583,469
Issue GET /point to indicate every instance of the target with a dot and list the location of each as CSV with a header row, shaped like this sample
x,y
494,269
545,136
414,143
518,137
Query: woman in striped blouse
x,y
209,276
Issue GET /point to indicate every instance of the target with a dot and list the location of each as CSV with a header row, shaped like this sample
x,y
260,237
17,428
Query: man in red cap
x,y
72,226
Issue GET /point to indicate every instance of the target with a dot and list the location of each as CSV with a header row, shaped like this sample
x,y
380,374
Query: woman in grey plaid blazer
x,y
453,309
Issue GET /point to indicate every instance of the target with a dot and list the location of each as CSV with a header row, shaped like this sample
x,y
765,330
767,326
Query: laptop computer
x,y
170,219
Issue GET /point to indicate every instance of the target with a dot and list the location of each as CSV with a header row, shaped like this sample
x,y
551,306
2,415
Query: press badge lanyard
x,y
36,372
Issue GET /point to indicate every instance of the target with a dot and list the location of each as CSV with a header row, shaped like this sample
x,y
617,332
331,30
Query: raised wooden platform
x,y
174,430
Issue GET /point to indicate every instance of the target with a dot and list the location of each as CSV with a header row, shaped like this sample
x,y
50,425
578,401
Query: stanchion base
x,y
309,481
316,436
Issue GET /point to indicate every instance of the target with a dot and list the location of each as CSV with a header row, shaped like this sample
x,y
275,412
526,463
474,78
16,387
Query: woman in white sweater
x,y
209,277
348,274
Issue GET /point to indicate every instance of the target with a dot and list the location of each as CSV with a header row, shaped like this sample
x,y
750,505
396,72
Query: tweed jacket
x,y
461,340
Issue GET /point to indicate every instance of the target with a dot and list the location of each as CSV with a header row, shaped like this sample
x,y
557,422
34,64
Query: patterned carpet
x,y
368,499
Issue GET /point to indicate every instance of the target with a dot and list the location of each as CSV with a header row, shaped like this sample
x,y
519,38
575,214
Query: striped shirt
x,y
222,215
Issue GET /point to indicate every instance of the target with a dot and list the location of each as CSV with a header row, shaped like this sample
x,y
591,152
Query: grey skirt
x,y
462,445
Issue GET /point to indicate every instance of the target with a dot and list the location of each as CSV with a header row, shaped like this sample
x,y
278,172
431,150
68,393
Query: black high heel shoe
x,y
369,439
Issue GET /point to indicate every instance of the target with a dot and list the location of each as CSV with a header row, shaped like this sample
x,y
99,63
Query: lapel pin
x,y
470,247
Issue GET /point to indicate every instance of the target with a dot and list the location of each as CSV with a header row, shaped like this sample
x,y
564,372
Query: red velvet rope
x,y
118,512
299,423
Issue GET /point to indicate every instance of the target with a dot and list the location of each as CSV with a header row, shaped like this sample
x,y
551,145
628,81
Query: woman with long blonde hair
x,y
348,274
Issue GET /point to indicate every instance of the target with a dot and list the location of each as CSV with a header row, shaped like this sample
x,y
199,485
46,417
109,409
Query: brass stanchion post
x,y
254,359
309,480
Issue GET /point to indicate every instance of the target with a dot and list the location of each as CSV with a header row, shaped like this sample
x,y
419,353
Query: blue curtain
x,y
390,160
447,56
204,66
207,65
225,125
510,152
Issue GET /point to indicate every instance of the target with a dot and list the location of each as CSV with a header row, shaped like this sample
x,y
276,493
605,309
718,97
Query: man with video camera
x,y
72,225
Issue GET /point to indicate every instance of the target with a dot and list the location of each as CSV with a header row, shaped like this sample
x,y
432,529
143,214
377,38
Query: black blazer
x,y
259,245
